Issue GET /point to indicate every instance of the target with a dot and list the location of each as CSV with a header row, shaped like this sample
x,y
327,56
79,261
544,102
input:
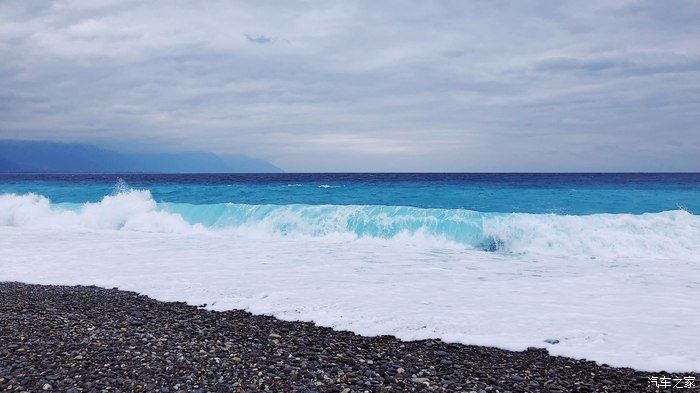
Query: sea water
x,y
607,264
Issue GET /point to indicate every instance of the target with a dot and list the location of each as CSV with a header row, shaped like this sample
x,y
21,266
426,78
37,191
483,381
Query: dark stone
x,y
90,339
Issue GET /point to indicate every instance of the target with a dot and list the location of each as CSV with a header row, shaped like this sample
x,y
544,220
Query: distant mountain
x,y
250,165
7,166
31,156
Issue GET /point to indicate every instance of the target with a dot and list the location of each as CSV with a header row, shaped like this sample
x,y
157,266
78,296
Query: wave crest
x,y
665,234
133,210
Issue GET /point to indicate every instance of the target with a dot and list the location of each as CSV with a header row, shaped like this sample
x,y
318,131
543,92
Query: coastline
x,y
62,338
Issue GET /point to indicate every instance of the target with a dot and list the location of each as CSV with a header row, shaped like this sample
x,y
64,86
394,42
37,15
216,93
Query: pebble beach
x,y
73,339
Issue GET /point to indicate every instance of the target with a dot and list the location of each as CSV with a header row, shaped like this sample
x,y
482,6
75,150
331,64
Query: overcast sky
x,y
363,86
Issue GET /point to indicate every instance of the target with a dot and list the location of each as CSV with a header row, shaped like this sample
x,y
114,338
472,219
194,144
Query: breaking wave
x,y
663,235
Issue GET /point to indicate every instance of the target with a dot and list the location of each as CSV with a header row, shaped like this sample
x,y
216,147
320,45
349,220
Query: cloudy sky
x,y
362,86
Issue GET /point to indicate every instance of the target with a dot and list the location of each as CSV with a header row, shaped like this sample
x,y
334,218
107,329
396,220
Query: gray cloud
x,y
362,86
259,39
567,64
624,67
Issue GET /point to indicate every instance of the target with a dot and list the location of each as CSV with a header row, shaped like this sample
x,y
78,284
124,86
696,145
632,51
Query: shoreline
x,y
85,338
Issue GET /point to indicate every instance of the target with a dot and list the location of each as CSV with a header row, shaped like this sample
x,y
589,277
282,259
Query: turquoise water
x,y
572,194
590,214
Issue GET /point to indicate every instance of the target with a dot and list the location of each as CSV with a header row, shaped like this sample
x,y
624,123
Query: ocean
x,y
605,265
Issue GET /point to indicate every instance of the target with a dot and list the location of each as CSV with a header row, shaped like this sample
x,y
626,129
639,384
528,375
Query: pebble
x,y
141,344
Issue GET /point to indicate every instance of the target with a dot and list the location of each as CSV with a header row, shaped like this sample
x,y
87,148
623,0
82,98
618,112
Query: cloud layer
x,y
363,86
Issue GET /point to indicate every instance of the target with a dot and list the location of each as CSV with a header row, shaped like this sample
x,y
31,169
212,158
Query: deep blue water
x,y
530,193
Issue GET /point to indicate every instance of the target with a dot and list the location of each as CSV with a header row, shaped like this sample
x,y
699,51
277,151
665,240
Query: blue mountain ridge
x,y
56,157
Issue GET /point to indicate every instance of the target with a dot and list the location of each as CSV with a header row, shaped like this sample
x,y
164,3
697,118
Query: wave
x,y
665,234
133,210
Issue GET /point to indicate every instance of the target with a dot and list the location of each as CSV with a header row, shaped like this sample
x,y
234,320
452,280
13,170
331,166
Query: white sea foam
x,y
132,210
388,270
671,234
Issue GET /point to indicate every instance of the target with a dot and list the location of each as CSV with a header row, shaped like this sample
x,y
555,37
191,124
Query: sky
x,y
325,86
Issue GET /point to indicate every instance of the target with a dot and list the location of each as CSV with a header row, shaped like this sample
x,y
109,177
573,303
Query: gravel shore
x,y
71,339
